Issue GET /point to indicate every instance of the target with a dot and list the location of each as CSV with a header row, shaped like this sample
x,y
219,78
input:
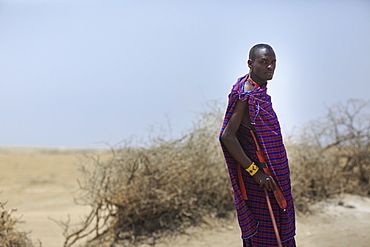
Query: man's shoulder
x,y
248,87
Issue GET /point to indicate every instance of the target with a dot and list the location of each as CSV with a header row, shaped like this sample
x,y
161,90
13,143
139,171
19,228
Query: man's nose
x,y
270,65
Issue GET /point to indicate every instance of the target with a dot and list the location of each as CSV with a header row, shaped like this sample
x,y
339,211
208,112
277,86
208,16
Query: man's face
x,y
264,64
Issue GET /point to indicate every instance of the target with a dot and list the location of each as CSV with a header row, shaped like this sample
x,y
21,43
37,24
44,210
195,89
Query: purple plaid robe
x,y
253,215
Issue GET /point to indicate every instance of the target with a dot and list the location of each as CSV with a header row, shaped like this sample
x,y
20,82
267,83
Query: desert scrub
x,y
165,185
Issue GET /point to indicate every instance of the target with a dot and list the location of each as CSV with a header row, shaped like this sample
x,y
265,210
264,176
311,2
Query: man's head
x,y
261,63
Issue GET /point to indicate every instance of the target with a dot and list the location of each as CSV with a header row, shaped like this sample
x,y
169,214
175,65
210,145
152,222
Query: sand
x,y
39,183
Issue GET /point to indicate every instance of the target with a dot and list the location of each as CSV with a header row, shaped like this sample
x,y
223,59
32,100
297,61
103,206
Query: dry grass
x,y
143,192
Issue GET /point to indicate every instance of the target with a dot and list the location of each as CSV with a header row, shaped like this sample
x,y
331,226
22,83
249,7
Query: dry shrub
x,y
166,185
332,155
9,236
170,184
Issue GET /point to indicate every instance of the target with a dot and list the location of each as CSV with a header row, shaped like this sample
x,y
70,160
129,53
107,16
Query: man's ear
x,y
249,63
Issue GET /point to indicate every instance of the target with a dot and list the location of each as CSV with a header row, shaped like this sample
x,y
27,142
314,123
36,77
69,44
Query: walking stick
x,y
273,219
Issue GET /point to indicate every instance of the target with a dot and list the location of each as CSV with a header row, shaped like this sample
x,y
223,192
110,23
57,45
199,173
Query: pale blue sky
x,y
82,72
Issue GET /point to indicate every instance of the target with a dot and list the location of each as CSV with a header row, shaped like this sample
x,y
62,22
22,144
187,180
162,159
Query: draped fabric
x,y
253,214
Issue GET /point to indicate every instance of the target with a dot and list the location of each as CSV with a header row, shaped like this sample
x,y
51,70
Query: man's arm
x,y
232,144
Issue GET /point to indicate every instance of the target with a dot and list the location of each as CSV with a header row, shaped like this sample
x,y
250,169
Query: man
x,y
249,114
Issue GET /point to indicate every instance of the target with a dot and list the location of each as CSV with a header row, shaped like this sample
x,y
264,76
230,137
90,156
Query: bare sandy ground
x,y
39,183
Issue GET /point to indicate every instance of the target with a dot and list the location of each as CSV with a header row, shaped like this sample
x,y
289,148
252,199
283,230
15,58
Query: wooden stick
x,y
273,219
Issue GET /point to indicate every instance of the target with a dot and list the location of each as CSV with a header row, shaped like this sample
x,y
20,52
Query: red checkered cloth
x,y
253,214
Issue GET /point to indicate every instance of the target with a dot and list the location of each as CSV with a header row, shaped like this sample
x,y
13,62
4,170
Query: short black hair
x,y
252,51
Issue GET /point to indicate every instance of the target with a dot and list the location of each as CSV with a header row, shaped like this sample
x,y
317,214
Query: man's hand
x,y
264,180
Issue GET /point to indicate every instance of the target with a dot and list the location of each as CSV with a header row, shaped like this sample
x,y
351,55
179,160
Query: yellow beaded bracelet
x,y
252,169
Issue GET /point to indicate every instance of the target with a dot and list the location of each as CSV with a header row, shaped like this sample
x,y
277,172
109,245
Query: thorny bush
x,y
166,185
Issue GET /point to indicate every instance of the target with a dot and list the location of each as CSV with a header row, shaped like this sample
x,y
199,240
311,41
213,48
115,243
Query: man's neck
x,y
257,80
